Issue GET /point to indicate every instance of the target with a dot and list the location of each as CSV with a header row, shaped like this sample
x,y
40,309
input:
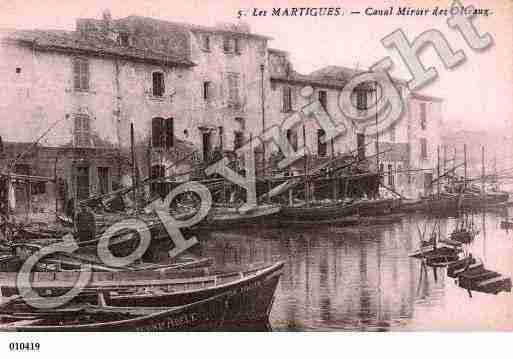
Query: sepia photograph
x,y
255,166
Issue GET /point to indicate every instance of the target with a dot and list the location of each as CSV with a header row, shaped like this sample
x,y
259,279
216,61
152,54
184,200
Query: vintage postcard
x,y
256,166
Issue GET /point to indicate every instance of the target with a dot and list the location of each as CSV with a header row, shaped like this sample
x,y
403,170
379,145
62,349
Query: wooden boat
x,y
494,285
459,265
226,216
441,260
376,207
253,290
315,212
74,262
202,315
441,249
477,266
344,221
463,235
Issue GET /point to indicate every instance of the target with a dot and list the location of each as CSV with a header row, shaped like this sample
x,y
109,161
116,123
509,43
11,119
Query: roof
x,y
165,25
345,73
295,78
77,43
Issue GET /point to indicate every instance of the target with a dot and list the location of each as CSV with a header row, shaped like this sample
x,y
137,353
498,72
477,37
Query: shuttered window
x,y
423,148
82,131
287,99
233,88
81,74
158,84
323,99
292,139
162,132
322,147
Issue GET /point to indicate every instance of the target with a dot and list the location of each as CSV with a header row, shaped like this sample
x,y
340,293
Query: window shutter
x,y
170,139
85,74
284,99
76,74
156,132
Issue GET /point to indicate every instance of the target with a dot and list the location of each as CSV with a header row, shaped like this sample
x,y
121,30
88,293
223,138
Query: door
x,y
207,145
82,182
428,183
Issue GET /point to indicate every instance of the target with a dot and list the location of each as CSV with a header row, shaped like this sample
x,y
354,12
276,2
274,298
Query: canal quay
x,y
362,279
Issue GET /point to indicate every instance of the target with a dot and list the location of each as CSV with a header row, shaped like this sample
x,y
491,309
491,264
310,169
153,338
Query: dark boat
x,y
253,290
315,212
202,315
227,216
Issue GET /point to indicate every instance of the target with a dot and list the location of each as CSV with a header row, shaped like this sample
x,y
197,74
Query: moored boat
x,y
202,315
253,290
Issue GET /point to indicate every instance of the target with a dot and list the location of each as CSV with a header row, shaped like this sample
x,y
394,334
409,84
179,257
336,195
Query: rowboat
x,y
253,290
440,249
76,262
202,315
463,235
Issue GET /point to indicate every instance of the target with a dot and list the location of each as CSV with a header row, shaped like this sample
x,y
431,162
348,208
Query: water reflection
x,y
361,278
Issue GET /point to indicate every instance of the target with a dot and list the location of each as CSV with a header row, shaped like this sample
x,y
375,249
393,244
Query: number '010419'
x,y
24,346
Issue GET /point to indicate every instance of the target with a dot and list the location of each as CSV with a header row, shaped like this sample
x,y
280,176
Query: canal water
x,y
361,278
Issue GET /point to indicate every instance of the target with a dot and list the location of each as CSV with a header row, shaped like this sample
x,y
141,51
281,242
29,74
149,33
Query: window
x,y
157,171
361,100
158,84
103,180
322,147
82,131
233,88
423,148
238,139
220,130
287,99
205,42
323,99
38,188
124,39
206,90
227,45
392,133
423,116
162,132
237,45
292,138
390,175
81,74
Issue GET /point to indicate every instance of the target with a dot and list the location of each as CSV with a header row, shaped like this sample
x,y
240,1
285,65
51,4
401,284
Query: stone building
x,y
189,91
407,148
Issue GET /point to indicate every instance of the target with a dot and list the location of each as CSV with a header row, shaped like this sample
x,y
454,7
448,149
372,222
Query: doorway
x,y
207,145
82,182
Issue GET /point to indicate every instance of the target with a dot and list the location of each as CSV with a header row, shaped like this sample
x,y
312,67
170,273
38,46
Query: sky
x,y
478,94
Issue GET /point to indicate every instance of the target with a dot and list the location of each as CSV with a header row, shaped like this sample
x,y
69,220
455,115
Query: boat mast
x,y
465,166
483,171
307,196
